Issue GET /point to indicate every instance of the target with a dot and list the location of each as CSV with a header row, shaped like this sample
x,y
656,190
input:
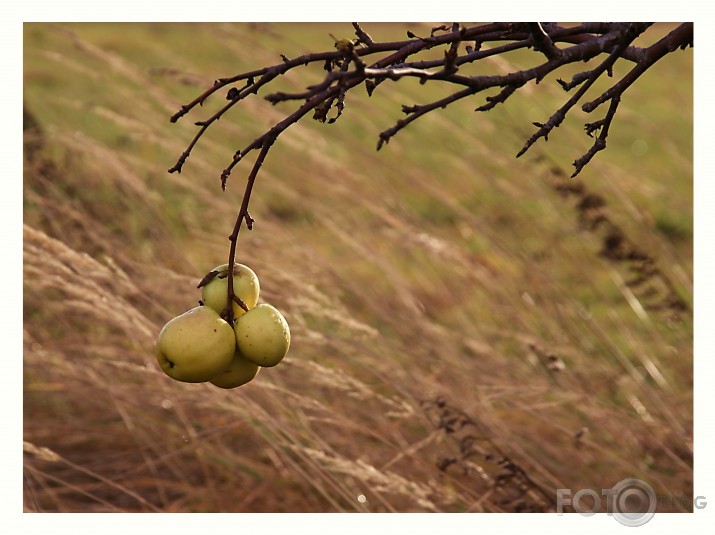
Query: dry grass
x,y
465,335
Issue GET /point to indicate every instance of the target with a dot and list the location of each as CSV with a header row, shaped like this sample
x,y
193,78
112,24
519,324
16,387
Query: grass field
x,y
466,335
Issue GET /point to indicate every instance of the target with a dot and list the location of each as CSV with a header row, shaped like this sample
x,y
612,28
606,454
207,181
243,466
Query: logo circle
x,y
634,502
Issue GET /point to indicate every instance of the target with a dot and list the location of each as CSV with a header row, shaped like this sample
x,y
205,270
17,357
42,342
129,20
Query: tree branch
x,y
243,217
600,143
681,37
365,61
589,40
557,118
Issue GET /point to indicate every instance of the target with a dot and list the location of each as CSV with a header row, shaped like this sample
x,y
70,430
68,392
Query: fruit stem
x,y
242,217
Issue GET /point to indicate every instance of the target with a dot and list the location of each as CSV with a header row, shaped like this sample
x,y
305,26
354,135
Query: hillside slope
x,y
468,335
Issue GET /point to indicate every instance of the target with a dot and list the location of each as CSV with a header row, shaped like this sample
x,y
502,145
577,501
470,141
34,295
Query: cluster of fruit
x,y
199,345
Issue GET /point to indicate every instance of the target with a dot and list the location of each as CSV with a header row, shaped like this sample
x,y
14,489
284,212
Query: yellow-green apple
x,y
262,335
214,288
239,372
195,346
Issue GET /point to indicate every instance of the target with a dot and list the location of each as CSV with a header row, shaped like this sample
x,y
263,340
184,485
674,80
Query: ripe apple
x,y
239,372
195,346
262,335
214,288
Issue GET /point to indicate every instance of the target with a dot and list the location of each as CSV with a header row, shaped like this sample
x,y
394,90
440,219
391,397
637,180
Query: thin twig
x,y
243,216
600,143
415,112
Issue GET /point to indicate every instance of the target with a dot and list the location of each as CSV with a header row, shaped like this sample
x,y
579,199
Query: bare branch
x,y
557,118
243,216
500,98
415,112
680,37
587,40
600,143
365,61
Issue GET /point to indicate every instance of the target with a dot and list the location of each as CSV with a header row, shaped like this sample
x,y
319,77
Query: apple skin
x,y
195,346
214,293
239,372
262,335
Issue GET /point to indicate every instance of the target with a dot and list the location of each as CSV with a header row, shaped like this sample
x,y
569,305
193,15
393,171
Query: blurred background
x,y
470,331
